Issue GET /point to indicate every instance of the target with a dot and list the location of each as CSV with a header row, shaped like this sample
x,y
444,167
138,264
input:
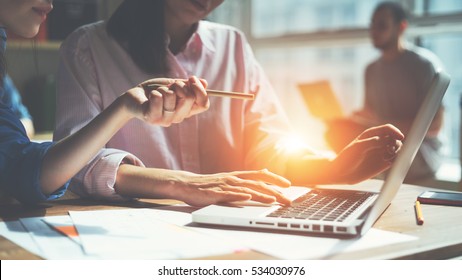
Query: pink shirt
x,y
232,135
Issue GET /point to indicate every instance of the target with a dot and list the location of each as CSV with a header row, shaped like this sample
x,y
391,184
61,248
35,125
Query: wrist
x,y
124,107
136,181
173,184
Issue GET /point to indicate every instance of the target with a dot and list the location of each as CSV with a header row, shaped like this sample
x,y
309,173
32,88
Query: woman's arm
x,y
368,155
69,155
199,190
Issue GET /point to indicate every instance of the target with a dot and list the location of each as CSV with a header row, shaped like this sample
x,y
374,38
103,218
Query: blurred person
x,y
395,86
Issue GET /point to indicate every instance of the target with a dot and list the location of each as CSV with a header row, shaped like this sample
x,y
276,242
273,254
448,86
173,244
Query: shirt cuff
x,y
99,181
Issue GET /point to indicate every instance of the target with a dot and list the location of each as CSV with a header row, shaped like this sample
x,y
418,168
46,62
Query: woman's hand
x,y
371,153
200,190
172,103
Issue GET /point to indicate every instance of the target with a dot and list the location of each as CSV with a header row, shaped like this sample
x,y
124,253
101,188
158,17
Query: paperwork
x,y
52,244
142,234
16,233
166,233
292,247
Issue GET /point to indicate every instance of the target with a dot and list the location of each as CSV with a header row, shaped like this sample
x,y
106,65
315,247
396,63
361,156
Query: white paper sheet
x,y
53,245
16,233
143,234
292,247
284,246
62,225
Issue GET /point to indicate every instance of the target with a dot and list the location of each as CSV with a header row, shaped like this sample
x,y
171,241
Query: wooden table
x,y
439,238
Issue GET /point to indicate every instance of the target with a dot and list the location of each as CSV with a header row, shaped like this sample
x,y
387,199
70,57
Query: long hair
x,y
139,27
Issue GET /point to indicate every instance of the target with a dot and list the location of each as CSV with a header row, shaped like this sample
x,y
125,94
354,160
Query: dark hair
x,y
397,10
139,27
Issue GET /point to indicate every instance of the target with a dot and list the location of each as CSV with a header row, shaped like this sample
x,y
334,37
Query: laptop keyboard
x,y
323,205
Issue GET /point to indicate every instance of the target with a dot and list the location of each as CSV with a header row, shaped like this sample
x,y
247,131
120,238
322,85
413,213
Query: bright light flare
x,y
292,144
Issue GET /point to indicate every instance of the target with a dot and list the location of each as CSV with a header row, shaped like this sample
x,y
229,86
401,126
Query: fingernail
x,y
195,80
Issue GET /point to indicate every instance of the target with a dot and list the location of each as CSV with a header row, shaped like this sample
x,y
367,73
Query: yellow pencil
x,y
418,213
212,92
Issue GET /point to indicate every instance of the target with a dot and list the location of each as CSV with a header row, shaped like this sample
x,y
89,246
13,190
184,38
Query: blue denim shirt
x,y
12,98
20,159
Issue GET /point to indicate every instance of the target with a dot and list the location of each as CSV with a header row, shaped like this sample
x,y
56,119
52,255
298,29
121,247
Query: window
x,y
275,17
436,7
302,40
447,48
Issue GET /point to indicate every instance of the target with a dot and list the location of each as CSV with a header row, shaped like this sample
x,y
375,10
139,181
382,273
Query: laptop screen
x,y
412,142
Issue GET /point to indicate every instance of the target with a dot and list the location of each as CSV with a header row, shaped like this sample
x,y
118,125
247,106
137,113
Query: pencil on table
x,y
212,92
418,213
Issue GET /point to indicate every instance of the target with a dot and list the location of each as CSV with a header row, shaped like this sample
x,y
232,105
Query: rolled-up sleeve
x,y
97,179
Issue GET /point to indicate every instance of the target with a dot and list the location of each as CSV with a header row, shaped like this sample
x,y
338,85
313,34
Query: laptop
x,y
327,211
321,100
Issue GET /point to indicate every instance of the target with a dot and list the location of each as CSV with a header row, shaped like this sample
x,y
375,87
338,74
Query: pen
x,y
418,213
212,92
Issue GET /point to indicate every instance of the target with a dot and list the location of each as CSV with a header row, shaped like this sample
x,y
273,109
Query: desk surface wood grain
x,y
439,238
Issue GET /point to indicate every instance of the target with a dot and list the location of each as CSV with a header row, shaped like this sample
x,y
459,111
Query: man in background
x,y
395,86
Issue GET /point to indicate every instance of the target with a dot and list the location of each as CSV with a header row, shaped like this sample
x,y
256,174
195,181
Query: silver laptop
x,y
327,211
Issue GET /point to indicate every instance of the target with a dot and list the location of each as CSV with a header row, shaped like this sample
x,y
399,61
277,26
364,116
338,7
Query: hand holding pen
x,y
212,92
171,102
